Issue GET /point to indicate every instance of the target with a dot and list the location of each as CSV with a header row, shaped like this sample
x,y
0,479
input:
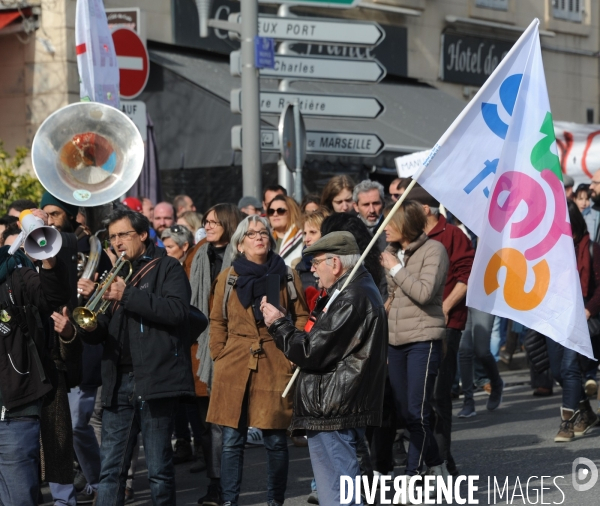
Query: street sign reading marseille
x,y
343,4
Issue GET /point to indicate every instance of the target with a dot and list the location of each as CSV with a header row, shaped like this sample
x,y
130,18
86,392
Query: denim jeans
x,y
413,369
19,461
564,364
442,396
121,423
475,342
232,459
81,404
333,454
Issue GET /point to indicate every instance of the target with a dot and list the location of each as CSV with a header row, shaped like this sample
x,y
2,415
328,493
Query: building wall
x,y
572,69
156,17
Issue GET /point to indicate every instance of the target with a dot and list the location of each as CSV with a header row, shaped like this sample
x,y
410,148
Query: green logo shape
x,y
541,156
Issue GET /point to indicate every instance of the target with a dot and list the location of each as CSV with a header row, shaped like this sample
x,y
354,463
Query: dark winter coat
x,y
342,359
155,313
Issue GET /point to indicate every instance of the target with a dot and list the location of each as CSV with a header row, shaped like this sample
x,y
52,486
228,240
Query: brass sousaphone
x,y
87,154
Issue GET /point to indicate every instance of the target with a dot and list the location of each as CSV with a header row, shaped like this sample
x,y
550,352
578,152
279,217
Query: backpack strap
x,y
291,288
231,280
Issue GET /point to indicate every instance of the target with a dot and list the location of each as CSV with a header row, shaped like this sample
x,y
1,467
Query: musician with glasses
x,y
250,373
146,363
286,221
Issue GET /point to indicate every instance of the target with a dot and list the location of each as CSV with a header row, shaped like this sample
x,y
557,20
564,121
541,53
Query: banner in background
x,y
96,57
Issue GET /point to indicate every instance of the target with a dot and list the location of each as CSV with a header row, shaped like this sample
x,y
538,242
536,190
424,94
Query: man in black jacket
x,y
25,366
146,364
339,390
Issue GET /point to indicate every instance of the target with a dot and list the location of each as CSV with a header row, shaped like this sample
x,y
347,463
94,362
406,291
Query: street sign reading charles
x,y
329,106
324,143
314,67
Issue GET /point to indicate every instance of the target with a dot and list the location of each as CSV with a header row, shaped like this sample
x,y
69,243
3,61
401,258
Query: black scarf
x,y
251,284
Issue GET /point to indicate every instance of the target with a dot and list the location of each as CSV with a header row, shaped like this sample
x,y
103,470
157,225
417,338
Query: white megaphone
x,y
40,241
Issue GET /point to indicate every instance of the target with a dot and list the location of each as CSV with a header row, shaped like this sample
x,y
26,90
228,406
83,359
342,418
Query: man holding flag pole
x,y
500,155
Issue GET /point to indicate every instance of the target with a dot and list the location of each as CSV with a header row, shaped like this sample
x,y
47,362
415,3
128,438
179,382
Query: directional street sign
x,y
316,30
316,67
344,4
324,143
330,106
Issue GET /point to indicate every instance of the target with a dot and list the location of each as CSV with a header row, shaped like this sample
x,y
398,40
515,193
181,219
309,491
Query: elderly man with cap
x,y
342,357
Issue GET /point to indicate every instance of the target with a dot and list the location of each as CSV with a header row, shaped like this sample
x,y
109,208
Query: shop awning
x,y
415,115
7,17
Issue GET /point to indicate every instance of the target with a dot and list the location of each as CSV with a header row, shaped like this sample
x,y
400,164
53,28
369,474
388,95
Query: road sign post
x,y
292,144
251,166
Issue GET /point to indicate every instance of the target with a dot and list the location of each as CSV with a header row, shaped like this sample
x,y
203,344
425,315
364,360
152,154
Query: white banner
x,y
96,57
579,149
497,169
409,165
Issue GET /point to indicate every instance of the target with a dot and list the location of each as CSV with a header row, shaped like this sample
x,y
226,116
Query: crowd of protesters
x,y
190,350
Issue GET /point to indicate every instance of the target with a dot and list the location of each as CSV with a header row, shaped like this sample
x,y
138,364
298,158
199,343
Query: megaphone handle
x,y
17,244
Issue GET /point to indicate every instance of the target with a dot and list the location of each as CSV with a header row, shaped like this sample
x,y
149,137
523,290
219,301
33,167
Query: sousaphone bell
x,y
87,154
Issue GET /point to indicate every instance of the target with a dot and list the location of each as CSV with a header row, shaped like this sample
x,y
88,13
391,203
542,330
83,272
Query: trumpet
x,y
87,316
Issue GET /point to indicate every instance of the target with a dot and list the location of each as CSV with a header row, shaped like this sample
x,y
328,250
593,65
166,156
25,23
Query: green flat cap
x,y
337,243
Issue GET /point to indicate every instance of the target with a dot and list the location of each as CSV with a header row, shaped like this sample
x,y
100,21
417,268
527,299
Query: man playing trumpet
x,y
146,363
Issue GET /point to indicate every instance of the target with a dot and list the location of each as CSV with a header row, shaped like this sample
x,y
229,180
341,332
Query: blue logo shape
x,y
508,96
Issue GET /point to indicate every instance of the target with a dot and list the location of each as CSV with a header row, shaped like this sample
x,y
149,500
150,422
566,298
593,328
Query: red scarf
x,y
584,262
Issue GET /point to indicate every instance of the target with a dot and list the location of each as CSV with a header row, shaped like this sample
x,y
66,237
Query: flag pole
x,y
361,260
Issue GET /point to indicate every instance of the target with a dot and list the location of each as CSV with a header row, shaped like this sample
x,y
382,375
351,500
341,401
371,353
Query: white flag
x,y
497,170
96,57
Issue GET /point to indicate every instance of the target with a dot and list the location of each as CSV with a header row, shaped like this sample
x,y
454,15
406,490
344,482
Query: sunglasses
x,y
280,211
177,229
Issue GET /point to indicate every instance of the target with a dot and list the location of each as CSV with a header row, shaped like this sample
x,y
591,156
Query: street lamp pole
x,y
251,164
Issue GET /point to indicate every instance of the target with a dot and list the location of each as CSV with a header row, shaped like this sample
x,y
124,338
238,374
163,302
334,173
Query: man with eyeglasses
x,y
146,364
393,189
342,360
592,219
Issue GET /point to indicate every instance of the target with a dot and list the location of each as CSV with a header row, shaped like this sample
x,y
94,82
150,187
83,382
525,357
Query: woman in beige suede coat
x,y
416,268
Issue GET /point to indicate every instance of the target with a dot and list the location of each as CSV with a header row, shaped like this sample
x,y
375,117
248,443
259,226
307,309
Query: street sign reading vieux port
x,y
321,68
316,30
327,106
342,4
324,143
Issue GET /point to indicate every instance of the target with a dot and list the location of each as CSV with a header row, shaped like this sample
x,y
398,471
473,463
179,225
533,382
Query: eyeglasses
x,y
280,211
594,183
177,229
211,224
121,235
315,263
264,234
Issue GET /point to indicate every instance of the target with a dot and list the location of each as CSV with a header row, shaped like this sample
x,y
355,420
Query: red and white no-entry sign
x,y
133,60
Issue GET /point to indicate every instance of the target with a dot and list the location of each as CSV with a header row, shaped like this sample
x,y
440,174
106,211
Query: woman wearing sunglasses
x,y
177,240
250,371
286,222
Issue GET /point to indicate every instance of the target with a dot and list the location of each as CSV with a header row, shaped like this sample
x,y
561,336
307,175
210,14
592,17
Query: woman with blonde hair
x,y
337,195
312,233
286,222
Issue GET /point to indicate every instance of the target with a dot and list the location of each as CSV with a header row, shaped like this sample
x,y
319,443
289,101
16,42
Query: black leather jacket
x,y
342,359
